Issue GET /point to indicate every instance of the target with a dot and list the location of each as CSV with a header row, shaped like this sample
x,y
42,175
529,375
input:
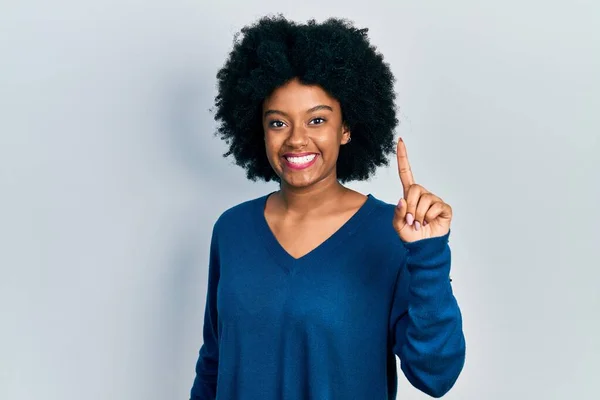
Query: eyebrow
x,y
310,110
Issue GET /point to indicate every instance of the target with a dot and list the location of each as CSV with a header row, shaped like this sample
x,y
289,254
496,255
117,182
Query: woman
x,y
313,289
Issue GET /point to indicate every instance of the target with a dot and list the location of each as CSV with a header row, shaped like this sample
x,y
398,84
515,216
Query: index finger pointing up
x,y
406,176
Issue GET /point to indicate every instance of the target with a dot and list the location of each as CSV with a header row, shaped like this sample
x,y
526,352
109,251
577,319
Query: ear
x,y
345,134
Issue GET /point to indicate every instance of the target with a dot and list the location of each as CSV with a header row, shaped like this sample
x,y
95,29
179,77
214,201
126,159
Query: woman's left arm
x,y
426,322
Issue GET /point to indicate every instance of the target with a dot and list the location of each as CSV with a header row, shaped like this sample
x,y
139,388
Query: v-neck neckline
x,y
289,262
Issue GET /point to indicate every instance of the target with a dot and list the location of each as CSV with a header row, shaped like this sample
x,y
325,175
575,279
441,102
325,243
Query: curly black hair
x,y
334,55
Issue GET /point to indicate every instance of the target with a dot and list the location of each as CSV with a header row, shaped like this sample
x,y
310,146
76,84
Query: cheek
x,y
329,144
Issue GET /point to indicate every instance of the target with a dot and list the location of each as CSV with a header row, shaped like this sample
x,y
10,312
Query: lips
x,y
299,160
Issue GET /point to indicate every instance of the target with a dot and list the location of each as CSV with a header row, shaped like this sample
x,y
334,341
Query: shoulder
x,y
239,217
375,242
379,224
382,214
382,207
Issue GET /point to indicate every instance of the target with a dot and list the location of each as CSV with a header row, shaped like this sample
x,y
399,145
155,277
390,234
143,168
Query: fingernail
x,y
424,223
401,139
417,225
409,219
399,204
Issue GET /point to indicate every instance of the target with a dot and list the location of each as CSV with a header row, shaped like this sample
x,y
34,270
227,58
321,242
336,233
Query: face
x,y
303,133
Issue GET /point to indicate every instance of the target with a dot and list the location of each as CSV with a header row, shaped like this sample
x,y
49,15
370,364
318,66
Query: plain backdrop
x,y
111,179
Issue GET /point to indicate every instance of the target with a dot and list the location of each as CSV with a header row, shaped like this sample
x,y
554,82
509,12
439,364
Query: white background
x,y
111,179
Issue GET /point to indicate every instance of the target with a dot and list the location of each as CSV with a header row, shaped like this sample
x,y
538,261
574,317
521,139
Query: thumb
x,y
400,215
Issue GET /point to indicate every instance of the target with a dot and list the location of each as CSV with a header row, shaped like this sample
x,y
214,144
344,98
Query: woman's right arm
x,y
205,383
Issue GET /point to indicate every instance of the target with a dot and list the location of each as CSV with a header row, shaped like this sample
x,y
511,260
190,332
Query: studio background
x,y
111,179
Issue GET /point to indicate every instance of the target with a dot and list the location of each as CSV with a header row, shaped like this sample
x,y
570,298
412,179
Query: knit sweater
x,y
327,325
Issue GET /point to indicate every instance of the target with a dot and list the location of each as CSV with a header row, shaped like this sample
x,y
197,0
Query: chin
x,y
303,180
298,182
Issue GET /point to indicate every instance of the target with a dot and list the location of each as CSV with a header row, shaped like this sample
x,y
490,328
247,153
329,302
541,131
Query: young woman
x,y
313,289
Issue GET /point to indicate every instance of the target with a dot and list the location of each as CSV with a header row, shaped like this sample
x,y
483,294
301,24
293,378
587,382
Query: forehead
x,y
294,96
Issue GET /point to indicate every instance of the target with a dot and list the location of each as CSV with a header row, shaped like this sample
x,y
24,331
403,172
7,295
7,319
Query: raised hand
x,y
420,214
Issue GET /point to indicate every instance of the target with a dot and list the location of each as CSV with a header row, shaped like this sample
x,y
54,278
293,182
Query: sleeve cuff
x,y
428,253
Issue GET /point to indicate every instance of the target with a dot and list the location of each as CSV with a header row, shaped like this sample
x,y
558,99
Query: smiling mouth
x,y
300,161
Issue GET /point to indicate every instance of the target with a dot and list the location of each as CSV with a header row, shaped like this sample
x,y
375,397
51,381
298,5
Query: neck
x,y
308,200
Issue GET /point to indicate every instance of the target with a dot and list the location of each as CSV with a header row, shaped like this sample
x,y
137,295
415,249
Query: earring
x,y
349,139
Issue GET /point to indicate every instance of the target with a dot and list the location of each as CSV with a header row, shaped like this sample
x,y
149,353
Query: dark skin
x,y
311,205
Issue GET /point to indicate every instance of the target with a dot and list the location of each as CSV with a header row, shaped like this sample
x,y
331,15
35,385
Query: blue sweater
x,y
329,324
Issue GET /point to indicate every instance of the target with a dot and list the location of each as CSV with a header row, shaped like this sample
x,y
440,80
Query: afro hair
x,y
334,55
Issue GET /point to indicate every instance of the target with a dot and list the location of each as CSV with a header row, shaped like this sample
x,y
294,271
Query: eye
x,y
317,121
276,124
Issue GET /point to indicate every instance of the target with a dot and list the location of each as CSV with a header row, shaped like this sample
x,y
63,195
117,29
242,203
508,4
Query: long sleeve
x,y
426,322
205,382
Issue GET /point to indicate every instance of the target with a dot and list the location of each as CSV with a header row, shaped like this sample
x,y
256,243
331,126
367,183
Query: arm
x,y
426,322
205,382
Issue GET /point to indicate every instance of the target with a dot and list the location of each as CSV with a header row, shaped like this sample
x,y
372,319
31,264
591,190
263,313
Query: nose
x,y
297,137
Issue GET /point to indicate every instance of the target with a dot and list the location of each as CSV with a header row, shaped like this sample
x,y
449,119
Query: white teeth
x,y
301,160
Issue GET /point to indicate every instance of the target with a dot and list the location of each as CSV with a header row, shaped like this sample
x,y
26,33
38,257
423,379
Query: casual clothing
x,y
329,324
